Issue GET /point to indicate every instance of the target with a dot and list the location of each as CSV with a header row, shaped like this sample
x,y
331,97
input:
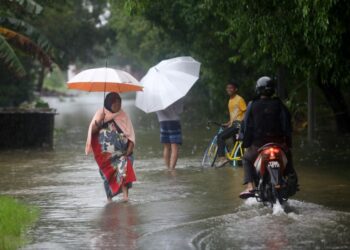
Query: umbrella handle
x,y
104,90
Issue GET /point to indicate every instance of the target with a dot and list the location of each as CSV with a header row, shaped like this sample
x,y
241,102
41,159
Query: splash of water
x,y
251,202
278,209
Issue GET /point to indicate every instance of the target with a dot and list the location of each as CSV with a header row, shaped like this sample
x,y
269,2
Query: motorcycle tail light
x,y
272,152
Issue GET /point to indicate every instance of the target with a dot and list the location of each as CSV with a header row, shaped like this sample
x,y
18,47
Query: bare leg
x,y
166,154
250,186
174,155
125,193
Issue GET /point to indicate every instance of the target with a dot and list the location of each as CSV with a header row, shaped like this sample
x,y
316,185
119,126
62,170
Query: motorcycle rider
x,y
266,120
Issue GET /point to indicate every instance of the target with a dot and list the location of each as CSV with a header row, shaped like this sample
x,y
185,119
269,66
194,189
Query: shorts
x,y
170,132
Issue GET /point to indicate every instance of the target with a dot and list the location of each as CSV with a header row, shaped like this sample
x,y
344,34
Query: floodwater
x,y
190,208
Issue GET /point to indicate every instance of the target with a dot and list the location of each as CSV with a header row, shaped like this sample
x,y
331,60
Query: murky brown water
x,y
190,208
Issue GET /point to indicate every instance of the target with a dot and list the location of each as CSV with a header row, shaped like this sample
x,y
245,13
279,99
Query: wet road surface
x,y
190,208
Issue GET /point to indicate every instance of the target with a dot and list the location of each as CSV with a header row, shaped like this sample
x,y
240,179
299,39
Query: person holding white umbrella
x,y
170,132
165,85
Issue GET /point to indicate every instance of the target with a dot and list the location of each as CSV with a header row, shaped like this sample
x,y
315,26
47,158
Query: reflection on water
x,y
189,208
117,222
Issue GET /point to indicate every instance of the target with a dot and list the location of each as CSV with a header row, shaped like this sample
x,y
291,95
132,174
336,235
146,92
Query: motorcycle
x,y
273,185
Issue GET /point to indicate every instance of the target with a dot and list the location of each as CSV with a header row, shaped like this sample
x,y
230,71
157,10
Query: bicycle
x,y
234,155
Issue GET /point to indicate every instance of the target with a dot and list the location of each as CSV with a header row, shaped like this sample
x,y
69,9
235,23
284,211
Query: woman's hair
x,y
110,99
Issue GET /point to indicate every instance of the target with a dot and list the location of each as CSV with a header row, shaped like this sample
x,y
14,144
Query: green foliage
x,y
14,91
304,36
41,104
76,30
171,29
21,35
298,41
41,46
22,47
15,218
55,80
20,6
9,57
33,33
30,6
139,42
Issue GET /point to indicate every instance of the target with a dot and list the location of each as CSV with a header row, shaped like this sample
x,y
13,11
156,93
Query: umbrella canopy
x,y
167,82
104,80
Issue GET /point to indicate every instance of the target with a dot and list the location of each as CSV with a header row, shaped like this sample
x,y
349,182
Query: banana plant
x,y
17,35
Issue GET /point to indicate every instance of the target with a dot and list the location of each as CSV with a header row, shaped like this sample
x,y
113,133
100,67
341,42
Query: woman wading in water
x,y
111,138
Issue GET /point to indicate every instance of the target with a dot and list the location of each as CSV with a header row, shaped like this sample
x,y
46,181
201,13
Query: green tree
x,y
77,30
18,36
23,50
308,38
177,28
304,40
139,43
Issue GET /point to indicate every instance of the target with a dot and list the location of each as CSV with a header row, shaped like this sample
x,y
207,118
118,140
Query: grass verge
x,y
15,219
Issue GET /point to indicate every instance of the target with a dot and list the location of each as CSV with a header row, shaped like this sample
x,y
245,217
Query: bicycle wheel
x,y
210,154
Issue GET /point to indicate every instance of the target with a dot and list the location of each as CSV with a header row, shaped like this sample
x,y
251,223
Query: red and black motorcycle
x,y
273,184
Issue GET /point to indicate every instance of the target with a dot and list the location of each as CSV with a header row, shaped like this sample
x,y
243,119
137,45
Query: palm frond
x,y
28,6
28,30
25,44
9,57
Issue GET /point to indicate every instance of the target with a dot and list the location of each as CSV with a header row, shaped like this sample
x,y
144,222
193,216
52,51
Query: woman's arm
x,y
130,148
96,126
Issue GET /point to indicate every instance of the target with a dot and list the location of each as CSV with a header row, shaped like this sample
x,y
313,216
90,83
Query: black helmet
x,y
265,86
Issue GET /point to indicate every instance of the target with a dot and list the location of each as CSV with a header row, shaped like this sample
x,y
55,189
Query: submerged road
x,y
190,208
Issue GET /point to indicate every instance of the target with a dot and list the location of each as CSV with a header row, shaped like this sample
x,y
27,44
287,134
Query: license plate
x,y
273,164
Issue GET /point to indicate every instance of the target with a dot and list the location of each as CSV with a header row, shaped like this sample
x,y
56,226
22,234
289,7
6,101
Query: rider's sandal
x,y
247,194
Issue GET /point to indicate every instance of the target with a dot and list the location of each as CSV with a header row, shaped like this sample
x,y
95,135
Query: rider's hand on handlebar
x,y
226,124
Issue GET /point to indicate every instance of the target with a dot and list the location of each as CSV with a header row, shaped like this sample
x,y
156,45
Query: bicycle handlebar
x,y
236,124
215,123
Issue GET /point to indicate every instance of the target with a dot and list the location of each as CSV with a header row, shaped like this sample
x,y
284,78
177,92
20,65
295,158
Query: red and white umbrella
x,y
104,80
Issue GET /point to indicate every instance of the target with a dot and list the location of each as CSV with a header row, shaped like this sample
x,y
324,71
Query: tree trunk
x,y
336,101
281,80
41,79
310,113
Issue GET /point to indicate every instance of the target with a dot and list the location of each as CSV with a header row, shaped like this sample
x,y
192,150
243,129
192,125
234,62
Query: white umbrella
x,y
105,80
166,83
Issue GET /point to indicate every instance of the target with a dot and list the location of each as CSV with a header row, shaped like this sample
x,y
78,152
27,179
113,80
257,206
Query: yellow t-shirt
x,y
237,108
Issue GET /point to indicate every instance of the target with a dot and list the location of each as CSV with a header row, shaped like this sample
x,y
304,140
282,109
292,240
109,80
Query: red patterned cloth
x,y
109,170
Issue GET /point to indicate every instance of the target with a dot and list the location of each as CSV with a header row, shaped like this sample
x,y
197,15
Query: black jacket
x,y
266,120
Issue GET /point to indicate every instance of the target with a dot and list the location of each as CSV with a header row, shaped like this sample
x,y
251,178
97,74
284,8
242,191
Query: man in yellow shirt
x,y
236,108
